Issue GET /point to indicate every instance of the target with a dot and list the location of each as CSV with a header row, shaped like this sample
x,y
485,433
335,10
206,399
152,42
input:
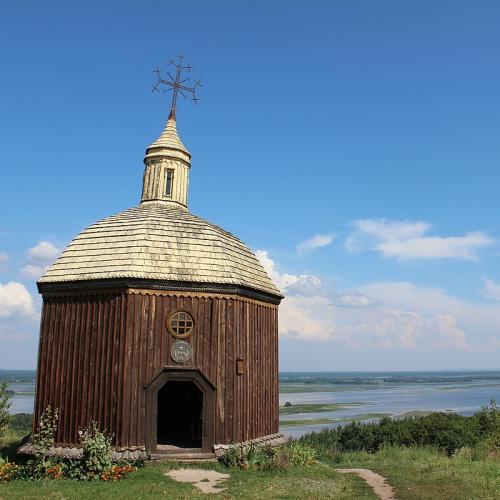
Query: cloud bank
x,y
384,315
407,240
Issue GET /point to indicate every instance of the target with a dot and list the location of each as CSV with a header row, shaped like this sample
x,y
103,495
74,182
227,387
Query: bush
x,y
267,457
248,457
21,422
5,396
492,445
8,470
117,472
43,438
489,418
446,431
96,462
42,466
97,452
301,453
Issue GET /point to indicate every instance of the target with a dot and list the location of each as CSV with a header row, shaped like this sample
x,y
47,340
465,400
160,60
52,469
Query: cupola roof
x,y
158,242
168,140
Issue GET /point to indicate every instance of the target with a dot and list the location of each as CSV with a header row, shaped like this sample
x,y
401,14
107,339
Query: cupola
x,y
166,168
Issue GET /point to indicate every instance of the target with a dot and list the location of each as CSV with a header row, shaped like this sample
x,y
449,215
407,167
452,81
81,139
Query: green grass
x,y
316,407
151,482
9,442
415,474
420,473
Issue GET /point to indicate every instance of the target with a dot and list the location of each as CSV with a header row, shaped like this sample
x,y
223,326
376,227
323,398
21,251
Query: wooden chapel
x,y
159,326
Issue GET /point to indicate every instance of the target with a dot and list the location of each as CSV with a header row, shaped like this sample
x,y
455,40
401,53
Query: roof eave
x,y
63,287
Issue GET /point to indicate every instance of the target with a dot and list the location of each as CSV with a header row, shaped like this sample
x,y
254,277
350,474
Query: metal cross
x,y
176,85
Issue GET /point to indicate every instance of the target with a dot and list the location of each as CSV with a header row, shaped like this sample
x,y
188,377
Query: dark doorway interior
x,y
179,417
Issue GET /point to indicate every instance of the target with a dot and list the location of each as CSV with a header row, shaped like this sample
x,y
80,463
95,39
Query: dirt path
x,y
207,481
379,484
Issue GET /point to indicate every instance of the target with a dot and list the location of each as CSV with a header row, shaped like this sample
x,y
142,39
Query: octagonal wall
x,y
98,351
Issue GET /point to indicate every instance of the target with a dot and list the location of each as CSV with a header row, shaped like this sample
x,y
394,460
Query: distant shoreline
x,y
296,372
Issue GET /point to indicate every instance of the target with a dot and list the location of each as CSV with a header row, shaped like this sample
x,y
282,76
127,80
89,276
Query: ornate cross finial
x,y
176,85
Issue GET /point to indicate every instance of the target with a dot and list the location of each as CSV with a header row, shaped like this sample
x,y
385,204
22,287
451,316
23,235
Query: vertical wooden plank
x,y
230,372
127,369
68,337
73,381
210,335
114,346
249,372
92,361
240,378
86,370
143,362
150,363
57,364
53,361
140,336
98,365
120,380
106,372
81,363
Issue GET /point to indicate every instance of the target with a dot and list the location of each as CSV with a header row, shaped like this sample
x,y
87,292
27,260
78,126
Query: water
x,y
392,393
22,384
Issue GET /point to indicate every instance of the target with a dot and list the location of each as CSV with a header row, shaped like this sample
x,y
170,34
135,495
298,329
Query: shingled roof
x,y
159,242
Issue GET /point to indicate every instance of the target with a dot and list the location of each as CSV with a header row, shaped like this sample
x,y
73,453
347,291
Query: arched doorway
x,y
180,411
179,419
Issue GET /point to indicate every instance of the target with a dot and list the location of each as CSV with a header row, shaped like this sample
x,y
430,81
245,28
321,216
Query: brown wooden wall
x,y
99,350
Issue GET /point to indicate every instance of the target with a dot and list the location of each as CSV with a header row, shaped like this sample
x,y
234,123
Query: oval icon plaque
x,y
181,351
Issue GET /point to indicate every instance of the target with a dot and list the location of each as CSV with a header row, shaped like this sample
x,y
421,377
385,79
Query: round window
x,y
181,324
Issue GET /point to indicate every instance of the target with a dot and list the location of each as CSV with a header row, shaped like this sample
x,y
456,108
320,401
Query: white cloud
x,y
307,317
491,290
32,271
387,230
458,247
43,252
317,241
284,280
15,300
406,240
384,316
354,300
40,258
19,319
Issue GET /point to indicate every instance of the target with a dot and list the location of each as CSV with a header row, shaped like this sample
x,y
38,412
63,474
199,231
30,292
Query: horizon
x,y
353,147
471,370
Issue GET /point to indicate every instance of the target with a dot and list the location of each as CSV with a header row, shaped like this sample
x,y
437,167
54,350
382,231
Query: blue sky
x,y
369,130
